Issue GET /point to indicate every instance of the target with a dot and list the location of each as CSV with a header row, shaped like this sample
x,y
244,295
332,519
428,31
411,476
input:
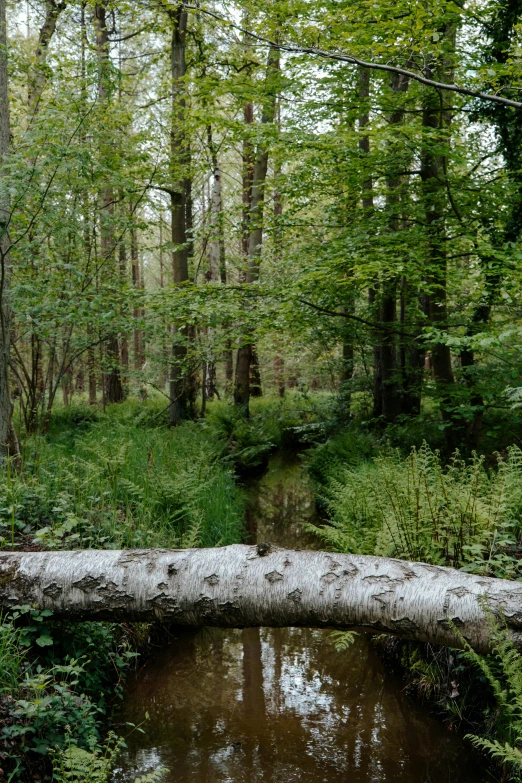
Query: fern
x,y
457,515
342,640
75,765
503,672
505,753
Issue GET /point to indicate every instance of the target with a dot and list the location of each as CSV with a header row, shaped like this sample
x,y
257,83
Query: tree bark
x,y
38,76
254,185
113,387
216,272
244,352
8,439
436,123
249,586
139,353
180,404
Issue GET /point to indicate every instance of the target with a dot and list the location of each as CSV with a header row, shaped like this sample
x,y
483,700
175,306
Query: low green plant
x,y
155,776
12,657
342,640
502,671
77,765
457,514
50,707
121,484
329,460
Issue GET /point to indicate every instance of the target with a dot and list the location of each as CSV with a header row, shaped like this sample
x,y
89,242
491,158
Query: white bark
x,y
245,586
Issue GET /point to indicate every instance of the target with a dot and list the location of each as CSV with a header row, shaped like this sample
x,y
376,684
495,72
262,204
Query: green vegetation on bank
x,y
462,513
119,478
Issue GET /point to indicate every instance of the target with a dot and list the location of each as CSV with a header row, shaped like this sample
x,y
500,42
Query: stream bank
x,y
271,705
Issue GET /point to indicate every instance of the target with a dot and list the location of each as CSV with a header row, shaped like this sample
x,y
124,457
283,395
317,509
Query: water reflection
x,y
278,705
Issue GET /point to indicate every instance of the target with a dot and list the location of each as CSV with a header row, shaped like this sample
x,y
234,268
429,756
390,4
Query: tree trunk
x,y
411,356
244,352
114,391
8,439
242,380
180,402
216,267
259,170
249,586
367,205
255,374
279,362
124,340
91,369
436,122
139,356
38,76
113,387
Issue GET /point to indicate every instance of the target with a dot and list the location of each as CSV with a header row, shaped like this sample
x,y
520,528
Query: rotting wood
x,y
247,586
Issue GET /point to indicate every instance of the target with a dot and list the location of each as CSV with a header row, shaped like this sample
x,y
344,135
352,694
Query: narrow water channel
x,y
281,705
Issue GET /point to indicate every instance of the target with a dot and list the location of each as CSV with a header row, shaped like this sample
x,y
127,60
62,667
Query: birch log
x,y
245,586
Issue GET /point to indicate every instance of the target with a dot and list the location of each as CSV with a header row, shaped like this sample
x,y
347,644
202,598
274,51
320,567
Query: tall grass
x,y
118,482
11,658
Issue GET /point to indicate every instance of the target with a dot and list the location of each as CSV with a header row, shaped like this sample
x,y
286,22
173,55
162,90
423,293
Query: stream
x,y
281,705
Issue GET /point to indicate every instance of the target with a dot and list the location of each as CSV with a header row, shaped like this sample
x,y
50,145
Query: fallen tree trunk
x,y
245,586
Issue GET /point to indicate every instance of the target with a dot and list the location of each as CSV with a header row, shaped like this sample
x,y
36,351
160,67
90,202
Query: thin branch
x,y
349,58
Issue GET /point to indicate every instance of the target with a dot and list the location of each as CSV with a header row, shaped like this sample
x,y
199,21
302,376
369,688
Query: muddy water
x,y
280,705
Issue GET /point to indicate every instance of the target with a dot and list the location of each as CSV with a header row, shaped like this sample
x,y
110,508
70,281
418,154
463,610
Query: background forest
x,y
190,205
227,228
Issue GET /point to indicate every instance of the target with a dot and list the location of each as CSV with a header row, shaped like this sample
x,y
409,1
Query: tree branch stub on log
x,y
250,586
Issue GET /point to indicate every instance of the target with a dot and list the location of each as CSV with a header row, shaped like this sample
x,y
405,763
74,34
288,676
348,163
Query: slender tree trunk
x,y
216,265
113,387
368,206
37,75
246,352
91,370
279,362
412,354
436,122
124,340
8,440
180,387
139,357
255,374
250,586
387,298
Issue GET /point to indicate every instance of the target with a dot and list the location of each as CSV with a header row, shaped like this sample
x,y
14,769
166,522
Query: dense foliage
x,y
200,204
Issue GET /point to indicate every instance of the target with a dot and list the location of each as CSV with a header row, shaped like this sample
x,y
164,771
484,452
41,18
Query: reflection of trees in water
x,y
258,745
302,713
281,503
280,705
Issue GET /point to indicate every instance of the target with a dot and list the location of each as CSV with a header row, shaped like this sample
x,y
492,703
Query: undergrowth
x,y
119,478
461,513
456,514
